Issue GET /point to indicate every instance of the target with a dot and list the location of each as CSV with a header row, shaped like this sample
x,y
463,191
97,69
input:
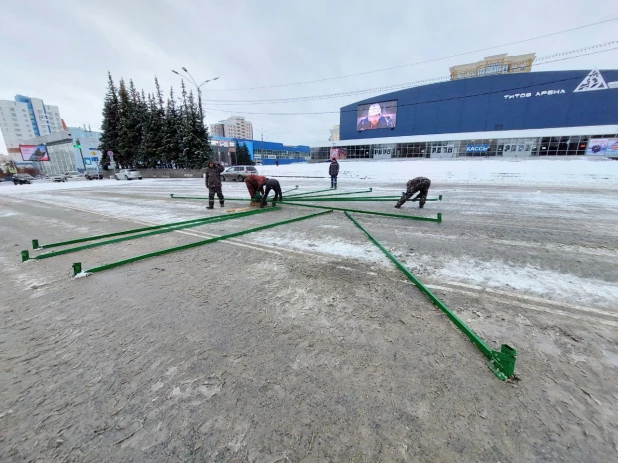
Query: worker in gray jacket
x,y
213,183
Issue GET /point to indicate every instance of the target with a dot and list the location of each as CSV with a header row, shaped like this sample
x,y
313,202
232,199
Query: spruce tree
x,y
129,139
196,152
172,136
243,157
111,123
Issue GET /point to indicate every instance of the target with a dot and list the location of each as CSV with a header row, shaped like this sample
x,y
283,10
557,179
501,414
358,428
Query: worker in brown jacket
x,y
254,184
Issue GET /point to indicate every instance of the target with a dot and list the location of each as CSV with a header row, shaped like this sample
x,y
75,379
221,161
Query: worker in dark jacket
x,y
418,184
271,184
254,184
333,170
213,183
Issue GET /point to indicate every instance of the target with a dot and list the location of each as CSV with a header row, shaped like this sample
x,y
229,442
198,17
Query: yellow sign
x,y
12,170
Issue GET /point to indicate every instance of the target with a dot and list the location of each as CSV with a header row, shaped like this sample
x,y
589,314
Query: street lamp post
x,y
190,78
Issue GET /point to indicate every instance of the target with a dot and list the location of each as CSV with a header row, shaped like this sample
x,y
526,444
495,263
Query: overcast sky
x,y
61,50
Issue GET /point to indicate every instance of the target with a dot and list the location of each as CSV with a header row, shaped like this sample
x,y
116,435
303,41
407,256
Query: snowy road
x,y
268,342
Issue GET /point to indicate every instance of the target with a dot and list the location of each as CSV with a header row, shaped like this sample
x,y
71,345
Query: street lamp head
x,y
184,69
215,78
175,72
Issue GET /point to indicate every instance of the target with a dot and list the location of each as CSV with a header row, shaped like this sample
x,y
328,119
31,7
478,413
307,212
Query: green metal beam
x,y
501,363
341,194
362,199
77,267
37,246
295,188
383,214
309,193
220,218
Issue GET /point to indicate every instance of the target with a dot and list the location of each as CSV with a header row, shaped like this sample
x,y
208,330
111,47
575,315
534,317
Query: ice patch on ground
x,y
330,246
554,285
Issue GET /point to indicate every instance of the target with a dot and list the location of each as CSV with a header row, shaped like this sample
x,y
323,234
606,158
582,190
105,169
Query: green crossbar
x,y
295,188
383,214
362,199
36,246
340,194
501,363
77,267
308,193
221,218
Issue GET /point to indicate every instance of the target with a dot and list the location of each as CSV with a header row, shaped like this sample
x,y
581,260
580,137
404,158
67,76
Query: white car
x,y
128,174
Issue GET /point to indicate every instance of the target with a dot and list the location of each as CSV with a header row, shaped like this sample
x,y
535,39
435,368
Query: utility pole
x,y
190,79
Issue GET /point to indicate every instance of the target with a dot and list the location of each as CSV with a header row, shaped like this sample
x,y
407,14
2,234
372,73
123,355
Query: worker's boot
x,y
421,203
397,206
211,205
222,202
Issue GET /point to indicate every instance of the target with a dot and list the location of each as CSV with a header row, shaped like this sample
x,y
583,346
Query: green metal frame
x,y
36,246
295,188
221,218
341,194
501,363
383,214
308,193
77,267
361,199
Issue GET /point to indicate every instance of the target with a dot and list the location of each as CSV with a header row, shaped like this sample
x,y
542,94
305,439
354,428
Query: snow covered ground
x,y
568,172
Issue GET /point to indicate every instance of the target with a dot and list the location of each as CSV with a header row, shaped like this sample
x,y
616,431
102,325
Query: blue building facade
x,y
264,152
532,100
523,114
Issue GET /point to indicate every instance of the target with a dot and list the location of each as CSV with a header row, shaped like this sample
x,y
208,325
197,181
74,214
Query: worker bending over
x,y
418,184
254,184
271,184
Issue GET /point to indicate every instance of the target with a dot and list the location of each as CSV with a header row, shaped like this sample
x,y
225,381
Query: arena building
x,y
556,113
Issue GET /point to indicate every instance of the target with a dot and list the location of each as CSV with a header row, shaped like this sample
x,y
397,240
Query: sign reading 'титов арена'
x,y
531,94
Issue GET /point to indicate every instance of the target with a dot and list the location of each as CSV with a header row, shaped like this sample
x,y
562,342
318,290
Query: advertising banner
x,y
337,153
373,116
602,147
34,153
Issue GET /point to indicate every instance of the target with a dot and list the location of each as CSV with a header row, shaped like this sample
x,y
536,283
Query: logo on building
x,y
593,81
477,148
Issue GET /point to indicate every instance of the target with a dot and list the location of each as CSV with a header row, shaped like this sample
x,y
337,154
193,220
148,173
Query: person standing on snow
x,y
213,183
333,170
418,184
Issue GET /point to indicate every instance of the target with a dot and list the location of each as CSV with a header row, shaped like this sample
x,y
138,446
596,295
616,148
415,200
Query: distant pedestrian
x,y
418,184
254,184
213,183
333,170
271,184
276,161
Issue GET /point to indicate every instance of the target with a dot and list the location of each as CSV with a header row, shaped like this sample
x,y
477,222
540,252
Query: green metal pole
x,y
308,193
341,194
295,188
196,244
362,199
383,214
222,218
35,243
501,363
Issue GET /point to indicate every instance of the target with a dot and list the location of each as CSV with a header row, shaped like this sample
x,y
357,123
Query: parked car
x,y
72,174
21,179
94,176
58,178
238,173
128,174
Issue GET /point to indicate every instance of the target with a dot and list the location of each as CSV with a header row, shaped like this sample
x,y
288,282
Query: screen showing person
x,y
376,116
